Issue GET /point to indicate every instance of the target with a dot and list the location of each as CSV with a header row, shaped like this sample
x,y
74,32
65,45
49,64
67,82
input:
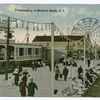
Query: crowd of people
x,y
81,80
72,71
20,79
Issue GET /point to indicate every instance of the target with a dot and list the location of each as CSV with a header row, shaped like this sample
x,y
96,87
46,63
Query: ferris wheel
x,y
89,26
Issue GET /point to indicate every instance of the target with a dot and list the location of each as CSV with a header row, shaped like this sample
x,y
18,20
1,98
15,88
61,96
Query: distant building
x,y
4,41
59,41
61,45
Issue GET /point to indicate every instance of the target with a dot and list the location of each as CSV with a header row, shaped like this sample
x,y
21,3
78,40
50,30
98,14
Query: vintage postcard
x,y
49,50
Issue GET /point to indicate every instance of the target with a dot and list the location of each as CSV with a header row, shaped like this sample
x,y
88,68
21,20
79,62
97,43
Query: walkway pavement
x,y
42,77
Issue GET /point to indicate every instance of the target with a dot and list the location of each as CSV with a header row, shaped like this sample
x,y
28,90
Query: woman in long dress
x,y
69,71
74,72
76,86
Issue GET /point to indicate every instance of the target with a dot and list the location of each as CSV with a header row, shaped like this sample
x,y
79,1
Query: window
x,y
33,51
21,51
29,51
73,44
3,51
47,44
36,51
25,51
40,50
16,51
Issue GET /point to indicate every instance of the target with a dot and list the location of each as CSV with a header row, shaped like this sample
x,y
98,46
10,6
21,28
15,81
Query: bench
x,y
67,92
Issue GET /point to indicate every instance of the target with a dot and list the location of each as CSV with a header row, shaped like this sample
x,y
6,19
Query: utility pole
x,y
7,49
52,59
84,60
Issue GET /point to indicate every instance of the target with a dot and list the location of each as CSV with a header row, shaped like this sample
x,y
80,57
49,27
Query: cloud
x,y
81,10
89,13
13,7
73,12
97,13
1,12
64,14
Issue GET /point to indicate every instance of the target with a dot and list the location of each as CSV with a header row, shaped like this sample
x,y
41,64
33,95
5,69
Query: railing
x,y
28,57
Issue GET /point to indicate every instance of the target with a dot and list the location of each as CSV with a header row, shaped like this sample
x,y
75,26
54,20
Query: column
x,y
5,53
32,52
18,53
27,53
15,53
24,53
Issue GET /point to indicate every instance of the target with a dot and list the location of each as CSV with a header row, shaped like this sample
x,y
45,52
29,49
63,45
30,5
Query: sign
x,y
3,25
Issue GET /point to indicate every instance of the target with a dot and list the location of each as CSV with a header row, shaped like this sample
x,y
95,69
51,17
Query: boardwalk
x,y
42,77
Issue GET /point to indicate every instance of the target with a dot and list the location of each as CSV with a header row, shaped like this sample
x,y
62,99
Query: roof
x,y
57,38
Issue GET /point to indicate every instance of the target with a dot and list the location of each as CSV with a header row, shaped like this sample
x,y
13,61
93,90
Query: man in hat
x,y
25,73
16,79
50,66
31,87
88,61
89,77
57,73
80,70
36,65
65,73
23,86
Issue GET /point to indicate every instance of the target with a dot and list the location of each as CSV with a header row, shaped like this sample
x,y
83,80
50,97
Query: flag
x,y
27,26
57,31
33,26
37,27
55,28
46,26
3,25
22,24
16,25
49,26
42,27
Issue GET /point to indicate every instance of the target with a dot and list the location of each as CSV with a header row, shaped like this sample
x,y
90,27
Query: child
x,y
60,77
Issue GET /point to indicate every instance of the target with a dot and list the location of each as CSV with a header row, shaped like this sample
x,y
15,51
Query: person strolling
x,y
57,73
31,88
65,73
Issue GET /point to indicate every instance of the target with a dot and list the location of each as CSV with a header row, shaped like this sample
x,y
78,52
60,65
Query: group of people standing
x,y
21,80
59,75
77,76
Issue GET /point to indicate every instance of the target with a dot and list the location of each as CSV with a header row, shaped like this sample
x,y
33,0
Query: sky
x,y
64,21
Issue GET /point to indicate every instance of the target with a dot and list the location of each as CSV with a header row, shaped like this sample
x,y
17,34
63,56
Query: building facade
x,y
62,45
